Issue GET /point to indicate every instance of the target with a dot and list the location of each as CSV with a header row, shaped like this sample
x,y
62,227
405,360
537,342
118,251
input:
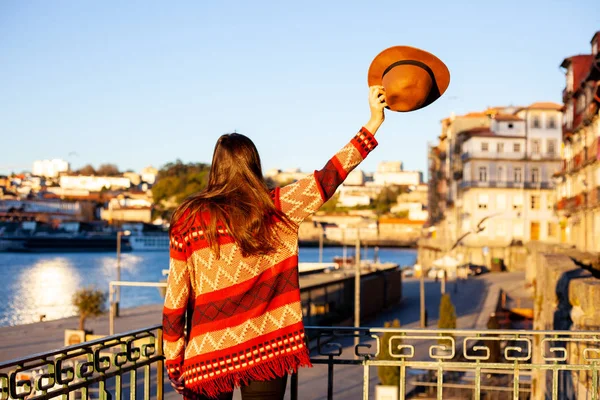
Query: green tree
x,y
447,317
389,375
387,198
176,181
89,302
86,170
331,204
108,170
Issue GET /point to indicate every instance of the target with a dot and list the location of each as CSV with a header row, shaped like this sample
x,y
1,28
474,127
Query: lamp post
x,y
120,234
118,289
357,285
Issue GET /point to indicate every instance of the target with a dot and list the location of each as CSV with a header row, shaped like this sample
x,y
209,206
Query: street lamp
x,y
120,234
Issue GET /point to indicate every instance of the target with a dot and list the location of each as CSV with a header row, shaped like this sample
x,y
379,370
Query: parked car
x,y
474,269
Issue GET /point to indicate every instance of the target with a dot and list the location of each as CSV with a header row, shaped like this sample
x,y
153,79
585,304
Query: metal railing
x,y
94,369
443,363
506,184
114,297
465,363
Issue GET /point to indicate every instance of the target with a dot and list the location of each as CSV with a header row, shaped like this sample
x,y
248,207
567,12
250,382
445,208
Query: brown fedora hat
x,y
412,78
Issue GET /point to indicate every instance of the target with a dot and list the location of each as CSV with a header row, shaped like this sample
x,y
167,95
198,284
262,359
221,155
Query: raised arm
x,y
304,197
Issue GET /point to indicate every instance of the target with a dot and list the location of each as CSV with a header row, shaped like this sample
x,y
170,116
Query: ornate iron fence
x,y
511,364
94,369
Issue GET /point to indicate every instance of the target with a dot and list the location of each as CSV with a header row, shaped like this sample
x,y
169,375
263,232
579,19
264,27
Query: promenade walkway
x,y
474,300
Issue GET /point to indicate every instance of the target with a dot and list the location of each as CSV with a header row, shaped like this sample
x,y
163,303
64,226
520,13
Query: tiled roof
x,y
546,105
507,117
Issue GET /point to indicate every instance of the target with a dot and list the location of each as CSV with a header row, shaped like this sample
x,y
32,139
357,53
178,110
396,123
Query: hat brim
x,y
395,54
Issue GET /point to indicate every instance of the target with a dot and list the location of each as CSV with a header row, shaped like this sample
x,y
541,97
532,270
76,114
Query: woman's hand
x,y
178,384
377,104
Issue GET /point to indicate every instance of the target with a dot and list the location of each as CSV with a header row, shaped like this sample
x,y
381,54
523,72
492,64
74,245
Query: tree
x,y
89,302
331,204
108,170
386,198
176,181
389,375
447,317
86,170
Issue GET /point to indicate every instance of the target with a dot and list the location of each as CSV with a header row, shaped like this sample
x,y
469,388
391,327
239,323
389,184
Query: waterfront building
x,y
578,188
128,207
50,168
392,173
149,174
496,165
94,183
413,203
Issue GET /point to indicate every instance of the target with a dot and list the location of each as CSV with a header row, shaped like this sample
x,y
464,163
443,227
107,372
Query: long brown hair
x,y
237,197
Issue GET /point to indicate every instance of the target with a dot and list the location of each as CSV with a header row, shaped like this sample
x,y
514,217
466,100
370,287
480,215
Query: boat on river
x,y
70,237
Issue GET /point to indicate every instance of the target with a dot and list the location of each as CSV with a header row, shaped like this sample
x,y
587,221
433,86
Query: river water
x,y
38,284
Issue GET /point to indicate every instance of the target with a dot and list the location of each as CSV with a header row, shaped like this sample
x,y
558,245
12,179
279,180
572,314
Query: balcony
x,y
492,155
449,363
505,184
570,204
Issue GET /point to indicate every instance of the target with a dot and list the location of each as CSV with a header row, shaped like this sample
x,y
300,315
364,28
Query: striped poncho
x,y
244,316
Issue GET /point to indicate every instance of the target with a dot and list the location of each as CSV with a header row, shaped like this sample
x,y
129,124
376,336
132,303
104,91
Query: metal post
x,y
343,247
357,285
111,314
321,243
422,297
116,305
443,286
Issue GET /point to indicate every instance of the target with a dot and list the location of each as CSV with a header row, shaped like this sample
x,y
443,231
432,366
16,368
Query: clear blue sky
x,y
141,83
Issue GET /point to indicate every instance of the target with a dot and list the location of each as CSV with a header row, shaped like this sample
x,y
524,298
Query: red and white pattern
x,y
243,314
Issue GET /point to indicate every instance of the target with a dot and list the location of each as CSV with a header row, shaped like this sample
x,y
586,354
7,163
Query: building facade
x,y
493,170
50,168
578,188
392,173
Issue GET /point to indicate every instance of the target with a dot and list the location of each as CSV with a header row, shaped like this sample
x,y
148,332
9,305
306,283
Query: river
x,y
37,284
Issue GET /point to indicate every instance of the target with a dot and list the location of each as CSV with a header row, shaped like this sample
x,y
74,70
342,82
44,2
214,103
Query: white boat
x,y
149,242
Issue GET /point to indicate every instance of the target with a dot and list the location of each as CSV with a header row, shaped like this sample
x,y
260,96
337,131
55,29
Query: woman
x,y
232,315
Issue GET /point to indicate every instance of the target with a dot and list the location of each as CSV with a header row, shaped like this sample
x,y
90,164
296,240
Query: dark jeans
x,y
255,390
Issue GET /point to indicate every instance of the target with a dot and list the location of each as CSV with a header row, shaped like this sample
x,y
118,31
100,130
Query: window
x,y
500,177
482,174
535,146
482,202
484,146
551,122
535,175
535,202
500,147
518,175
551,147
517,202
536,121
517,147
510,126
